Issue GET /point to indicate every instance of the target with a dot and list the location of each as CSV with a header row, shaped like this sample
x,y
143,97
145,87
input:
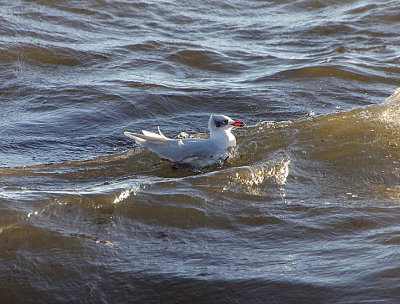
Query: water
x,y
306,212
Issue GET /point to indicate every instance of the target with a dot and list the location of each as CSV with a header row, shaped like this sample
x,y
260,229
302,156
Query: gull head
x,y
223,123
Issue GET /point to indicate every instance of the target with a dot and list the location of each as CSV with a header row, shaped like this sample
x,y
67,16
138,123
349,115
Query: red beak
x,y
238,123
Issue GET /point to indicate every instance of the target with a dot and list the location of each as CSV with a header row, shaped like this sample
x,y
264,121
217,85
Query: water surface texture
x,y
307,210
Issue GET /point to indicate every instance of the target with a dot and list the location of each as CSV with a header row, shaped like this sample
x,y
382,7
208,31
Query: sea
x,y
306,209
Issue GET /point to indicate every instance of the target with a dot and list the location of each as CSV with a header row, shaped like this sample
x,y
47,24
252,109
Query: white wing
x,y
175,150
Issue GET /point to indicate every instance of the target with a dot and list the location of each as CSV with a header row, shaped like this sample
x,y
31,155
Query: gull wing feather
x,y
159,131
148,138
155,135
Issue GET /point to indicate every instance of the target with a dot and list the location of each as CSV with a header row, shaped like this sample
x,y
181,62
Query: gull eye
x,y
225,122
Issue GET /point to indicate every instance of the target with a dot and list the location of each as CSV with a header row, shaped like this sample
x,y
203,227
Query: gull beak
x,y
238,123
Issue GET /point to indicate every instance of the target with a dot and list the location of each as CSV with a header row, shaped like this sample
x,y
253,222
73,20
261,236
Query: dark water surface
x,y
306,212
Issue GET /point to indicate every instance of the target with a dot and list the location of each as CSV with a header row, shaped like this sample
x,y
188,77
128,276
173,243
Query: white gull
x,y
192,151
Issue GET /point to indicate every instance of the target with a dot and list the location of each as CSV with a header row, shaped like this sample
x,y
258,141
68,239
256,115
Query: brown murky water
x,y
306,212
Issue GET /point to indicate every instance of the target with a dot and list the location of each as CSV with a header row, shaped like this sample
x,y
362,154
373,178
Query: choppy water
x,y
306,212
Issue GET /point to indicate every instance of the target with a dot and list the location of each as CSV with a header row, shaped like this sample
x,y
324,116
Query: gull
x,y
192,151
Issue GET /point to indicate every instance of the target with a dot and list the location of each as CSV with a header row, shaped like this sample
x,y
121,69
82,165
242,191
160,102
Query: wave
x,y
346,150
327,71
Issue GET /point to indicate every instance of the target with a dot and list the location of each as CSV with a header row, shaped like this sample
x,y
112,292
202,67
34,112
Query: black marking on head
x,y
220,123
